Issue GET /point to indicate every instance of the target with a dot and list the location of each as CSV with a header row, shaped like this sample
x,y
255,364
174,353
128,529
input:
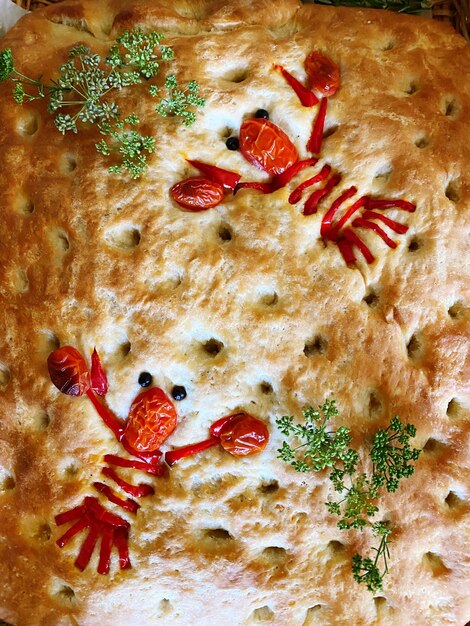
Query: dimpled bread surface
x,y
250,310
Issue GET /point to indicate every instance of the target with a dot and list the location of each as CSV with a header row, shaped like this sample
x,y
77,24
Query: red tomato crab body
x,y
197,194
152,418
266,146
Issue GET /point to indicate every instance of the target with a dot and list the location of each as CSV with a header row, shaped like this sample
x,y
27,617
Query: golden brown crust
x,y
89,259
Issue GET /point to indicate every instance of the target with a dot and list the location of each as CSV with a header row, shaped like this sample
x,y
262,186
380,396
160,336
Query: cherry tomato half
x,y
152,418
68,371
244,435
323,73
197,194
267,146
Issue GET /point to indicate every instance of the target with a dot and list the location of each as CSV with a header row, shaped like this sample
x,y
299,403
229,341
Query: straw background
x,y
455,11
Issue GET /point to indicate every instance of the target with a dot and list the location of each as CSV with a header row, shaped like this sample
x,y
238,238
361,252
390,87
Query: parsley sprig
x,y
83,90
321,448
367,571
391,453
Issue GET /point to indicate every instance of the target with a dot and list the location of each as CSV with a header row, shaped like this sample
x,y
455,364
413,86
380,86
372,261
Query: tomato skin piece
x,y
68,371
197,193
323,73
152,418
243,435
266,146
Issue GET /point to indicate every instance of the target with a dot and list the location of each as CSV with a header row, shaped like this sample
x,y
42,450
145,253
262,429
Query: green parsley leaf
x,y
391,453
7,65
286,453
358,504
18,93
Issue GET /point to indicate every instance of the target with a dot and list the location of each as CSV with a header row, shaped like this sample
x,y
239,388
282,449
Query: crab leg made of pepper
x,y
152,418
267,147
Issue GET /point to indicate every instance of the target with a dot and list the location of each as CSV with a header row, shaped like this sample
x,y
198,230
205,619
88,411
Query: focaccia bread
x,y
248,308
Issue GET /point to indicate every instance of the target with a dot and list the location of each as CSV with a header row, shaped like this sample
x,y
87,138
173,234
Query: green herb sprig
x,y
320,448
178,101
399,6
82,93
367,571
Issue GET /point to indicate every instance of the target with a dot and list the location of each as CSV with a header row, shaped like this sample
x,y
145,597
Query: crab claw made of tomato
x,y
197,193
322,73
243,434
68,371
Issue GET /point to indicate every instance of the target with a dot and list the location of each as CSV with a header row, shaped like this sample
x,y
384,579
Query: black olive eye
x,y
145,379
178,392
232,143
262,113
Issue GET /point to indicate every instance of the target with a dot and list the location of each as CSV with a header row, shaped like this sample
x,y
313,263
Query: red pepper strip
x,y
264,187
347,252
297,193
108,418
306,97
311,205
69,516
333,234
128,504
99,382
278,181
120,541
329,215
354,239
226,178
314,143
401,229
118,461
79,525
173,456
87,548
105,550
389,204
102,515
362,223
287,175
138,491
